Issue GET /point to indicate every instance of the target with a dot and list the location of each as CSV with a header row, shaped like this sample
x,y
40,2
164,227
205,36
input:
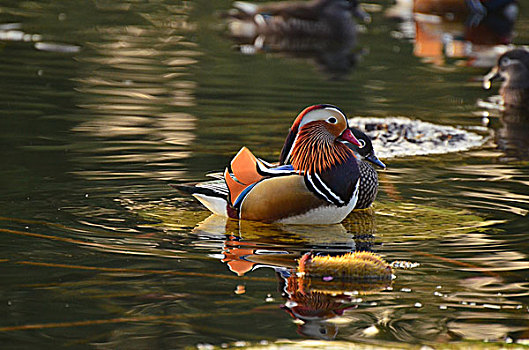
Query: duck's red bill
x,y
349,137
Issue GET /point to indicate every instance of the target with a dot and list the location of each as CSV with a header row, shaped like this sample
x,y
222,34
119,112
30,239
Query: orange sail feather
x,y
242,173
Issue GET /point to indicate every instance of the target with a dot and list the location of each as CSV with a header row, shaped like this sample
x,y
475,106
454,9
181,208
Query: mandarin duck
x,y
365,156
316,182
325,18
513,68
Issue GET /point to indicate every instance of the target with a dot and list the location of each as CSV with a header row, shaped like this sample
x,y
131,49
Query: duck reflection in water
x,y
324,30
473,29
249,245
324,287
320,271
512,68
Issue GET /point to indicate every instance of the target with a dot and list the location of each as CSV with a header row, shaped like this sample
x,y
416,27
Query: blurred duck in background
x,y
321,29
473,29
314,18
512,68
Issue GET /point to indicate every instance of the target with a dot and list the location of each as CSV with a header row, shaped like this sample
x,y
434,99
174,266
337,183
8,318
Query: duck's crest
x,y
297,122
294,129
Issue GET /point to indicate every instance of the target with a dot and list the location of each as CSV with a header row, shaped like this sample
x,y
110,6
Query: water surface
x,y
104,103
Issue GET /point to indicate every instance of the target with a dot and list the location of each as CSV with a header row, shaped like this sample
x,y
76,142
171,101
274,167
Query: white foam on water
x,y
401,136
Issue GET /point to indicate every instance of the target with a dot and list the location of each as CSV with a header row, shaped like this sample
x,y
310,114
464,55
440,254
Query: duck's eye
x,y
362,143
505,61
332,120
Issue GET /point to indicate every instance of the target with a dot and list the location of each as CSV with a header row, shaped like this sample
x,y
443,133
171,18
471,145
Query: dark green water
x,y
98,252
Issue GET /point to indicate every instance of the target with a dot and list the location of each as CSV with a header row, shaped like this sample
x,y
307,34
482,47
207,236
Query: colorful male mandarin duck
x,y
513,68
328,18
316,182
365,156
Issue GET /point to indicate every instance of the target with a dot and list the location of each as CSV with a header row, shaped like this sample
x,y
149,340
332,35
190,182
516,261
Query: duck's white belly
x,y
325,215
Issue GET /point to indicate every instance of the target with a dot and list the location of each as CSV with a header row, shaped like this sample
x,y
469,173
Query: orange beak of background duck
x,y
348,136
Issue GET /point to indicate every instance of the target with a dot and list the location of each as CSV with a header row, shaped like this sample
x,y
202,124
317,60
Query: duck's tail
x,y
212,194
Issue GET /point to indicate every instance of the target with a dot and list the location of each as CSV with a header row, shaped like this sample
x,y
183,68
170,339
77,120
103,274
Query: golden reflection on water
x,y
134,85
493,196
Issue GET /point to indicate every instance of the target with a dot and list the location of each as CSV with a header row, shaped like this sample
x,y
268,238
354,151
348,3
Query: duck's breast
x,y
368,185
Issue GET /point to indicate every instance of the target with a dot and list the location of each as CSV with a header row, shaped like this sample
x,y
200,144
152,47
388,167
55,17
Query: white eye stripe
x,y
506,61
323,115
